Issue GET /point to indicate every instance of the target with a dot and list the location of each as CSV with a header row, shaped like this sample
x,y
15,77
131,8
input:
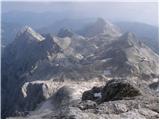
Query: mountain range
x,y
35,67
148,34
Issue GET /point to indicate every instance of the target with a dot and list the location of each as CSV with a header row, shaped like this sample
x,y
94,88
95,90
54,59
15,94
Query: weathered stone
x,y
118,89
90,94
64,95
154,86
33,93
87,104
116,107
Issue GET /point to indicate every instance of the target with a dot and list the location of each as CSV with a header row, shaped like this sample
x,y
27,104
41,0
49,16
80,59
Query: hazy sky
x,y
146,12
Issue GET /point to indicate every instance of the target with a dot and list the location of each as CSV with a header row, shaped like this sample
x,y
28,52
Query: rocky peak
x,y
100,21
100,26
129,39
104,23
64,32
128,35
29,34
27,29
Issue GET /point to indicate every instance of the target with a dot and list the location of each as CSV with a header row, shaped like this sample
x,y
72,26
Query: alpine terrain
x,y
98,72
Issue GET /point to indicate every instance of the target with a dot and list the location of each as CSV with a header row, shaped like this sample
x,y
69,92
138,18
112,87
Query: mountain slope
x,y
148,33
9,31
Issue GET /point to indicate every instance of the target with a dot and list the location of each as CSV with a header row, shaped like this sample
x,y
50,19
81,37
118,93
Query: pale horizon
x,y
144,12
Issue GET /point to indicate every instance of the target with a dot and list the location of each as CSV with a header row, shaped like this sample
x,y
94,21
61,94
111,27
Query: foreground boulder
x,y
33,93
63,96
93,94
118,89
66,104
115,89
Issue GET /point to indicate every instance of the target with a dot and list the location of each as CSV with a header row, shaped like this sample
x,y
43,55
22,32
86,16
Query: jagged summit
x,y
103,22
100,26
26,29
100,21
64,32
30,34
129,39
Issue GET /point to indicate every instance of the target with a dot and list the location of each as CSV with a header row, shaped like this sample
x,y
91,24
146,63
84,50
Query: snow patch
x,y
98,95
155,80
79,56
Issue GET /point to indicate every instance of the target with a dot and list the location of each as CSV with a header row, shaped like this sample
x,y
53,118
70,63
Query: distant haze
x,y
146,12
